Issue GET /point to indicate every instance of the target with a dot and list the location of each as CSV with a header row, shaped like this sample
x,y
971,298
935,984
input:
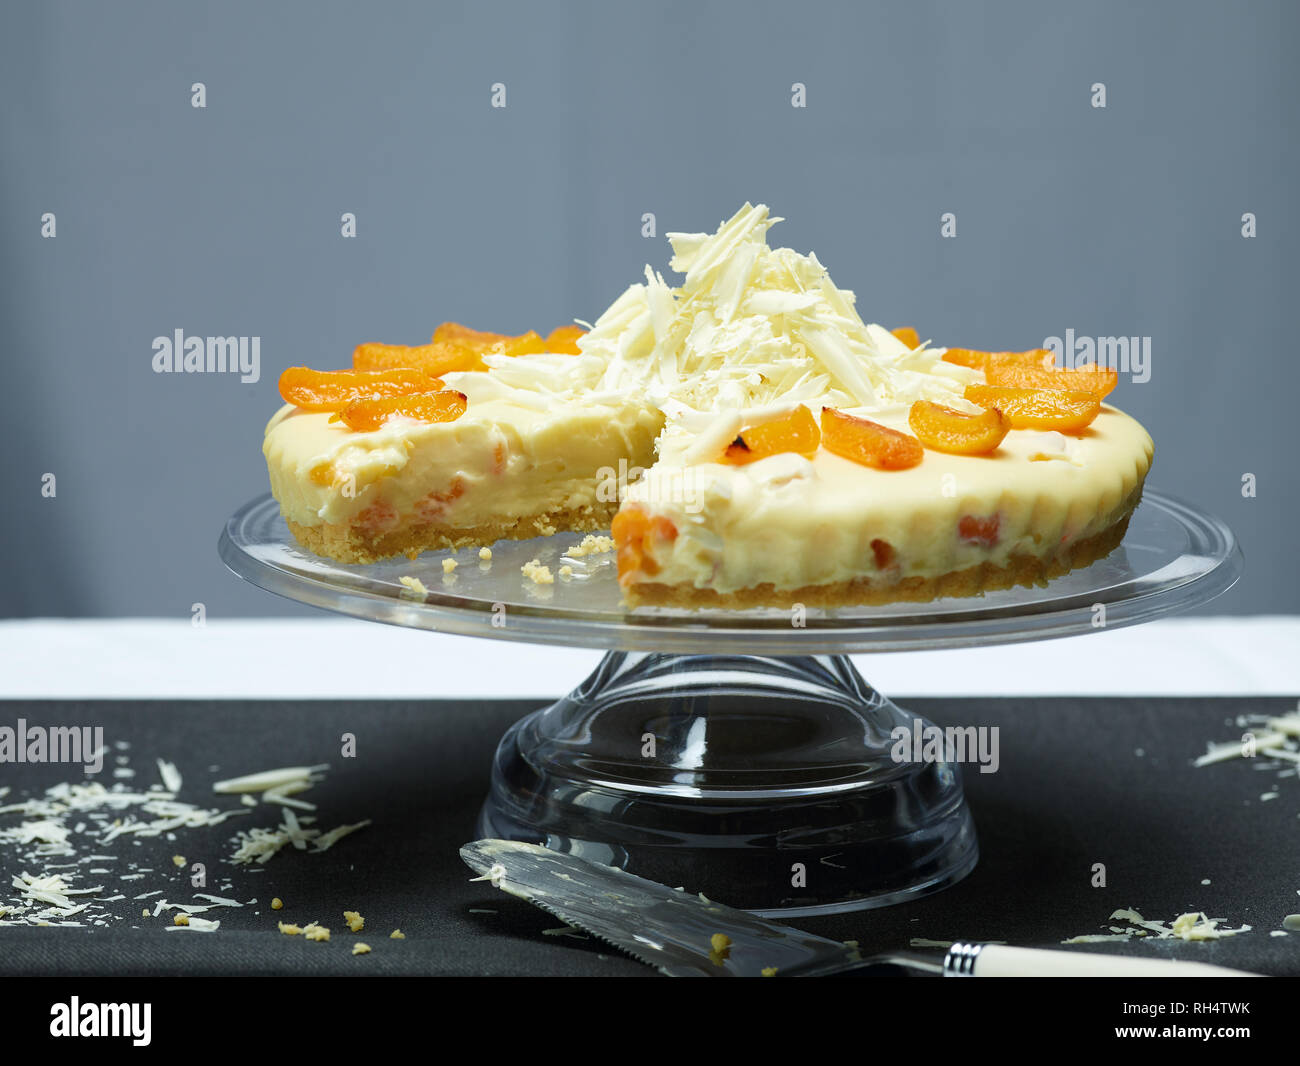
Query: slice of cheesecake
x,y
499,471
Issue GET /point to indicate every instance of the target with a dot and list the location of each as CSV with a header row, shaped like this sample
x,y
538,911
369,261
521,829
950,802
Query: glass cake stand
x,y
738,752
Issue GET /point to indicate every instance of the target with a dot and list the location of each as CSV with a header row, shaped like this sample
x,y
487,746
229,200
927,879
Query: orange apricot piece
x,y
982,531
564,339
945,429
1038,358
1097,380
635,533
869,443
795,432
438,358
379,516
1046,409
663,530
525,344
366,415
332,390
628,529
473,340
907,335
464,337
966,357
976,360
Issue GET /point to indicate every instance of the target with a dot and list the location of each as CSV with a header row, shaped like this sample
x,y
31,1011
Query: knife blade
x,y
669,929
684,935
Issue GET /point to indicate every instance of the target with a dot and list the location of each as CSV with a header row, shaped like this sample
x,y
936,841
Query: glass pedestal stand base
x,y
767,781
763,780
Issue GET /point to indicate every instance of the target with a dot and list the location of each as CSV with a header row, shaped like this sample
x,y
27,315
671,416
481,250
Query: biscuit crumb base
x,y
349,544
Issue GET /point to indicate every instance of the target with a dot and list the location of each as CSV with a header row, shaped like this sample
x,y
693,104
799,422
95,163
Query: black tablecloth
x,y
1072,791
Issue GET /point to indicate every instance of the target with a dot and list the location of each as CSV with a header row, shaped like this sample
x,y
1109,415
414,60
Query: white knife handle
x,y
998,960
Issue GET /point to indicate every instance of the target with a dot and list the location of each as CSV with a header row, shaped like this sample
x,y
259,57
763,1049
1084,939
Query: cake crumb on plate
x,y
414,587
592,544
537,573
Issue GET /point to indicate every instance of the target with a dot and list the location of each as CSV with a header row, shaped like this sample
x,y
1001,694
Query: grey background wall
x,y
225,220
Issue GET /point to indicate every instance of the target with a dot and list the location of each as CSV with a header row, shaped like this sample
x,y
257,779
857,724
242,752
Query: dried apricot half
x,y
526,344
1066,412
966,357
976,360
438,358
332,390
869,443
564,339
907,335
1038,358
1097,380
473,339
365,415
948,430
794,432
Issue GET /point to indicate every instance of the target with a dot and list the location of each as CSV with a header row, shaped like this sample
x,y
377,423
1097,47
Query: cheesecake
x,y
748,438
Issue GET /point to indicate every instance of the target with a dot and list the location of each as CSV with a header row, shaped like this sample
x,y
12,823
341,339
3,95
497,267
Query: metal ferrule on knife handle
x,y
960,960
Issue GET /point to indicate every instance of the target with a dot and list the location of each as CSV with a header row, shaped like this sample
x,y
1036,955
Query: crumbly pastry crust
x,y
1020,569
352,544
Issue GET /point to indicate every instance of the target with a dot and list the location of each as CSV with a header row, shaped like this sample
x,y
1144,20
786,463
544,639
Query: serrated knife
x,y
684,935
